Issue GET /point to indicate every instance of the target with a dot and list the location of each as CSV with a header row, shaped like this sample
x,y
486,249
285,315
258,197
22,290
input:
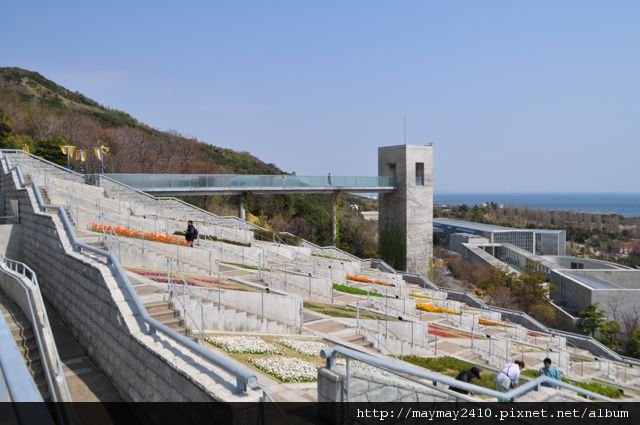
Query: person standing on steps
x,y
191,234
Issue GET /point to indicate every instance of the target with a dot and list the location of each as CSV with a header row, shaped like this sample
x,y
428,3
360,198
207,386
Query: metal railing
x,y
436,379
244,377
37,314
16,383
186,292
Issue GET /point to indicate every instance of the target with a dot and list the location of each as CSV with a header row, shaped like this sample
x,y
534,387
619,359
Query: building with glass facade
x,y
535,241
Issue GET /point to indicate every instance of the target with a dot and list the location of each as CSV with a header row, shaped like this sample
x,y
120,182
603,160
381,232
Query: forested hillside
x,y
44,116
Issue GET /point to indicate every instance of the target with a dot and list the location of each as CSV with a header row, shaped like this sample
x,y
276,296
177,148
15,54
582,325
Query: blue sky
x,y
516,96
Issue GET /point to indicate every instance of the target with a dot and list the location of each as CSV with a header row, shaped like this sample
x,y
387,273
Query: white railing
x,y
33,306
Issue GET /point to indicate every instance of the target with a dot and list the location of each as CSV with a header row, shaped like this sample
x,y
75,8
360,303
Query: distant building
x,y
535,241
576,282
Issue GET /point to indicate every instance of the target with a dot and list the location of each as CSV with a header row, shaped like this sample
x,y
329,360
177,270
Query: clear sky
x,y
516,96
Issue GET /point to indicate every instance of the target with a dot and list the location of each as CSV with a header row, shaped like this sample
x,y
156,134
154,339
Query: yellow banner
x,y
98,153
63,149
81,155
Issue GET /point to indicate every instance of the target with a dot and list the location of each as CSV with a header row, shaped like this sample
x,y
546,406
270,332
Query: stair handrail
x,y
52,365
16,383
378,334
185,288
40,159
244,377
402,368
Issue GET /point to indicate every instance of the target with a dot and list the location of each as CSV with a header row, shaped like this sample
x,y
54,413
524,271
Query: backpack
x,y
195,233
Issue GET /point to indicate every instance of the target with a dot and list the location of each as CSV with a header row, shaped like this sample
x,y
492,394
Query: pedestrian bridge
x,y
229,184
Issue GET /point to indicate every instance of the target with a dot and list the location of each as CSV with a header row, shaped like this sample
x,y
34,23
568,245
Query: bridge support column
x,y
405,217
242,213
334,219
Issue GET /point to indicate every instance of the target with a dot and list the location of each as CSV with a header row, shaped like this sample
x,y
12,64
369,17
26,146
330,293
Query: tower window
x,y
419,173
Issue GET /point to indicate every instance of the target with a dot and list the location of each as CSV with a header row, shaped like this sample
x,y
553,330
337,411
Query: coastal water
x,y
626,204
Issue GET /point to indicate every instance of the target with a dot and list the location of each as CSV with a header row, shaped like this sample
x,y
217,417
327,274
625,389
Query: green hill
x,y
43,115
38,112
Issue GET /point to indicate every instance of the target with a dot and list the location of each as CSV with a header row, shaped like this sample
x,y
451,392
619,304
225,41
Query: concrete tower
x,y
405,223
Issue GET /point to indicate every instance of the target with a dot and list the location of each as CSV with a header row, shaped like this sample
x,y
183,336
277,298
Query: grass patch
x,y
326,256
244,266
354,291
343,311
598,388
530,373
451,366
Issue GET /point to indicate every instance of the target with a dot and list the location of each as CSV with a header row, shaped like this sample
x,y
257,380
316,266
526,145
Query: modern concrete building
x,y
575,282
405,220
536,241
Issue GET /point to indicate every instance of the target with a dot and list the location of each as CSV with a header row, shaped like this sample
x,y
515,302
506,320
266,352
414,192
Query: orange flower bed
x,y
137,234
365,279
420,296
489,322
430,308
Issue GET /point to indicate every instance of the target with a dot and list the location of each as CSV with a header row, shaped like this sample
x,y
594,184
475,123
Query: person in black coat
x,y
466,376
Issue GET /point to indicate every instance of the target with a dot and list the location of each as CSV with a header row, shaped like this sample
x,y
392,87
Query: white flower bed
x,y
308,348
287,369
243,344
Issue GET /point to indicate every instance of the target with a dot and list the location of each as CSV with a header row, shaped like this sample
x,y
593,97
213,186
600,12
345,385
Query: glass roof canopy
x,y
238,183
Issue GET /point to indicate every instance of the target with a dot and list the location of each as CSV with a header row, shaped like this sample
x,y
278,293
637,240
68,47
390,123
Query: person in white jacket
x,y
509,376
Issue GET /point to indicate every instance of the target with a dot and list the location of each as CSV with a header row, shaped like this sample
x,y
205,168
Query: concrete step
x,y
163,316
328,326
155,307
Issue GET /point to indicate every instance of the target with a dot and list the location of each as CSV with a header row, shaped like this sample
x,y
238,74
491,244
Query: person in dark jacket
x,y
466,376
191,234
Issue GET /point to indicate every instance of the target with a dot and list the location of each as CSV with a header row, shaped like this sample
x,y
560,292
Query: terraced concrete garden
x,y
347,312
285,359
160,276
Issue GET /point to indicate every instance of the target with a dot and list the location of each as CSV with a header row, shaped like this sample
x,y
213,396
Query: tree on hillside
x,y
633,345
609,333
5,127
50,150
591,318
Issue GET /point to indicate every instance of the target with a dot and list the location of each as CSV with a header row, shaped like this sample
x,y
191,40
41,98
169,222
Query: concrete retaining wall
x,y
101,318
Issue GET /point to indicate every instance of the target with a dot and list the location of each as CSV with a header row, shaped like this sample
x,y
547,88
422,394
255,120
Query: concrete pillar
x,y
405,222
334,218
242,213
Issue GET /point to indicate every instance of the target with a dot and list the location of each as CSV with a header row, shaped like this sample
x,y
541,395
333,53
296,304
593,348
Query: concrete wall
x,y
97,311
306,287
407,213
281,308
11,241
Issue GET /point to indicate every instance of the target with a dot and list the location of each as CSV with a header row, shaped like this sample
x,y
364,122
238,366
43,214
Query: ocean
x,y
626,204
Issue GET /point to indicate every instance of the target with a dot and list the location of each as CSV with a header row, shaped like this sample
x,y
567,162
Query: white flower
x,y
308,348
243,344
287,369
